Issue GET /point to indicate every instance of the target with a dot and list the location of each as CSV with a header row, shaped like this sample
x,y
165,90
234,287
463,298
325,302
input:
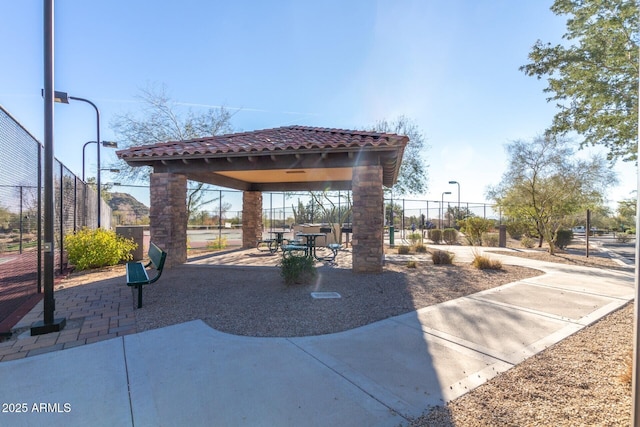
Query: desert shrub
x,y
491,239
403,249
450,236
415,238
563,238
527,242
435,235
518,229
411,264
297,269
420,248
96,248
474,227
482,262
623,237
442,257
217,243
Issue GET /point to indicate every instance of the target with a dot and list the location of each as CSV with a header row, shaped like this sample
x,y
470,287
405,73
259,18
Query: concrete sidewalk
x,y
380,374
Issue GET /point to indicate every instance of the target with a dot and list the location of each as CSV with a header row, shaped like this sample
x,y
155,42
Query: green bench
x,y
267,245
137,273
294,250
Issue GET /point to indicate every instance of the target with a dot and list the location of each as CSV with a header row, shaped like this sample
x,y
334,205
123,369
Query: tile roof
x,y
269,141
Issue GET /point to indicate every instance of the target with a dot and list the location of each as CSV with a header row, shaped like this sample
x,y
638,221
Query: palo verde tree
x,y
626,214
162,120
593,76
545,184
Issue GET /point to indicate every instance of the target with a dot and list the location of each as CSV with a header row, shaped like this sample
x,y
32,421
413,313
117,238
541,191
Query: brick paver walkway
x,y
105,309
94,312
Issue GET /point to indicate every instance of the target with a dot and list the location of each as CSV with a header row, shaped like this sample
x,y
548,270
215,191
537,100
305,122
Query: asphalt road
x,y
608,241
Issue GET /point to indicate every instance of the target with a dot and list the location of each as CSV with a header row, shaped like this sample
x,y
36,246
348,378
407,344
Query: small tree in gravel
x,y
297,269
474,228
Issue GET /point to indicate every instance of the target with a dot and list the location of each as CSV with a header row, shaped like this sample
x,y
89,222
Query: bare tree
x,y
162,120
413,176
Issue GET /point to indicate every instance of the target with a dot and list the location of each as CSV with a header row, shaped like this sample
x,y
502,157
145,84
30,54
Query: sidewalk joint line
x,y
126,369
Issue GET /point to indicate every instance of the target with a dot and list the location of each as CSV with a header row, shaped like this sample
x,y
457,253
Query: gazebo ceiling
x,y
281,159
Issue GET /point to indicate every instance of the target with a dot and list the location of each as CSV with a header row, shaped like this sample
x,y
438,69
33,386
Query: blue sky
x,y
451,66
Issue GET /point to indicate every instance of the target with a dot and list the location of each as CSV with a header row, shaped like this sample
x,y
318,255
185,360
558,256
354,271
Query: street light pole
x,y
456,182
442,207
49,323
64,98
106,144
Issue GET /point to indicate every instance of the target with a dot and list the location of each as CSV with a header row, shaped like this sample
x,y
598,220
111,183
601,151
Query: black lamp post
x,y
106,144
64,98
48,323
442,207
456,182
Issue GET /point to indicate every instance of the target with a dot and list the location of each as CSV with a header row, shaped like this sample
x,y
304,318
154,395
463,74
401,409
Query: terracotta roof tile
x,y
283,139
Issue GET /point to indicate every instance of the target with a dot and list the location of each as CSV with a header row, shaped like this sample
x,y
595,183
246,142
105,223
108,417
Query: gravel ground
x,y
253,301
581,381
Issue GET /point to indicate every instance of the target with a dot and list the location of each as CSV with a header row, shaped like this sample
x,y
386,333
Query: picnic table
x,y
278,241
273,244
312,247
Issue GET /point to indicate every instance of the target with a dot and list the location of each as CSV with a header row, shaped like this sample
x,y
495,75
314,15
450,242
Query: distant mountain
x,y
128,208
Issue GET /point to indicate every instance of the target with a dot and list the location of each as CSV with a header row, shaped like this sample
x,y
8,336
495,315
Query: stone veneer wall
x,y
168,215
368,219
251,218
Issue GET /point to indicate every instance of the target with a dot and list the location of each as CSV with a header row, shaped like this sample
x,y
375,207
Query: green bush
x,y
217,243
411,264
527,242
563,238
435,235
442,258
403,250
450,236
491,239
297,269
517,229
415,238
474,227
97,248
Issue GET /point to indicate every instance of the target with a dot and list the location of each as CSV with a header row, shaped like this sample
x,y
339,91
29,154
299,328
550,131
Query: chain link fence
x,y
21,215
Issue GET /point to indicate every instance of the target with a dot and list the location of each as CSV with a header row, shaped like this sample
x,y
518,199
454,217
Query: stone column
x,y
368,219
251,218
168,215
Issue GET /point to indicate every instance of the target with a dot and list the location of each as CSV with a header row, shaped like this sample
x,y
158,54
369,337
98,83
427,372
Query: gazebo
x,y
281,159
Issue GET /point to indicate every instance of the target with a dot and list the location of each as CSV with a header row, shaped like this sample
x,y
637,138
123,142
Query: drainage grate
x,y
325,295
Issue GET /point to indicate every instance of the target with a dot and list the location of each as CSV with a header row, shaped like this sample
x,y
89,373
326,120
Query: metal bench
x,y
137,273
294,250
267,245
334,248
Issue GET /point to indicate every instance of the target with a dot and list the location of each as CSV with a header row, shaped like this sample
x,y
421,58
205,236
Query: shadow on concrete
x,y
391,361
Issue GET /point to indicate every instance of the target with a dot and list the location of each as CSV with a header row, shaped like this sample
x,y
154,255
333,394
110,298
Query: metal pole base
x,y
41,328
